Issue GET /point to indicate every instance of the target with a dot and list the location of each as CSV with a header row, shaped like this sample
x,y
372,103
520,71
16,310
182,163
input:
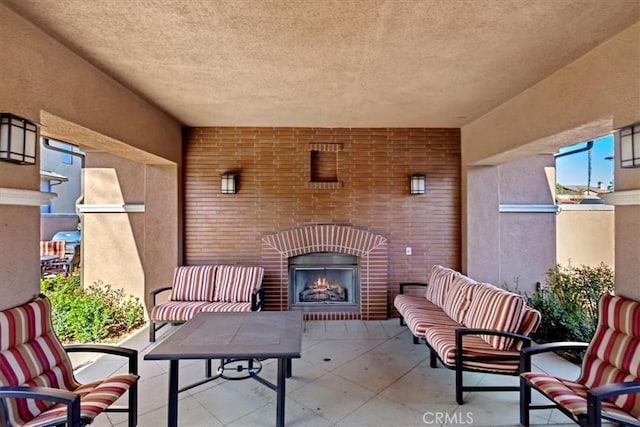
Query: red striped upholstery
x,y
176,311
439,282
193,283
458,297
31,355
52,247
495,308
236,284
572,396
614,352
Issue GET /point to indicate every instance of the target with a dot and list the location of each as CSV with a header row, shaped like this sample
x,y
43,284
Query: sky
x,y
573,169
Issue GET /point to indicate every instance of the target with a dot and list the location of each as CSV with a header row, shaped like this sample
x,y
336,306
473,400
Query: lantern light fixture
x,y
228,183
630,146
417,184
18,139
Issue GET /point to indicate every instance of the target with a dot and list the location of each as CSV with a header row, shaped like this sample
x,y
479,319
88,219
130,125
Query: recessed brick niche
x,y
372,249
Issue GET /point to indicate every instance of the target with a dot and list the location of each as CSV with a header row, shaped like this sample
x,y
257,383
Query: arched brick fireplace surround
x,y
374,266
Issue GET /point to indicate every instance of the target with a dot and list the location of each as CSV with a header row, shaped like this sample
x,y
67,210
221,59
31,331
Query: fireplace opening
x,y
324,282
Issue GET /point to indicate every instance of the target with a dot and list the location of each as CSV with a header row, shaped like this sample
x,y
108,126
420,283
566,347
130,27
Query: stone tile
x,y
332,397
331,354
295,415
382,412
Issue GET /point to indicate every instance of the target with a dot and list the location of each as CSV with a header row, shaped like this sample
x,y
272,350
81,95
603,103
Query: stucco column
x,y
510,223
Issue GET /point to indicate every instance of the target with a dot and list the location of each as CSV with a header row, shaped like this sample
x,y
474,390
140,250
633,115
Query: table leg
x,y
283,367
289,373
173,394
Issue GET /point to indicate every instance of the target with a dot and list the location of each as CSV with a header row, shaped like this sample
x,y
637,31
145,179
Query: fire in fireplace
x,y
324,282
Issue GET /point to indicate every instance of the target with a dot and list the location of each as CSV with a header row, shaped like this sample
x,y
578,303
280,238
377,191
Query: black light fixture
x,y
630,146
18,139
228,183
417,184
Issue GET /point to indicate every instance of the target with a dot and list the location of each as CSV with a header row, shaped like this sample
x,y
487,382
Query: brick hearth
x,y
374,266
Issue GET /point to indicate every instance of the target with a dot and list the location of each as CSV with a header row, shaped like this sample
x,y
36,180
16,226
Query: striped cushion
x,y
236,284
227,306
176,311
443,341
193,283
458,297
530,321
439,282
31,355
95,398
402,302
572,396
420,319
497,309
614,352
52,247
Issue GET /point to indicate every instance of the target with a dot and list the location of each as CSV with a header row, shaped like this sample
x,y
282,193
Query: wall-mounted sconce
x,y
630,146
18,139
417,184
228,183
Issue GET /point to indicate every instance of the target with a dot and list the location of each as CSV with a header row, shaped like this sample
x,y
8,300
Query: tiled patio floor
x,y
352,373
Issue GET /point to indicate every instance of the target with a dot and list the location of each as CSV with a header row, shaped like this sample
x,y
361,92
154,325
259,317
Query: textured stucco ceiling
x,y
329,63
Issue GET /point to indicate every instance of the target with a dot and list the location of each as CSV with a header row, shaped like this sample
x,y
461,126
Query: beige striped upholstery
x,y
442,340
31,355
176,311
439,282
456,303
418,317
193,283
530,321
227,306
236,284
495,308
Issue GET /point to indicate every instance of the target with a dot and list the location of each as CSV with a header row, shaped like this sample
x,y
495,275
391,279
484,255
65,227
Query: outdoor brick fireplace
x,y
329,286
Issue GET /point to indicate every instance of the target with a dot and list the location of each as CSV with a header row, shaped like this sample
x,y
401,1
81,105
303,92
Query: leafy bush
x,y
568,302
94,313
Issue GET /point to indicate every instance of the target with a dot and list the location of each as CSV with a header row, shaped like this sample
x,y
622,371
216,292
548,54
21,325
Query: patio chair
x,y
37,384
65,266
608,386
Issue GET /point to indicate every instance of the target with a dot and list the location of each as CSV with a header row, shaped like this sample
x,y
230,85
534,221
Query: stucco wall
x,y
585,235
42,75
512,248
598,93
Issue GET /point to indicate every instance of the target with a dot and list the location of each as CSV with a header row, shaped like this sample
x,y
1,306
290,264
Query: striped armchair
x,y
37,385
197,288
609,383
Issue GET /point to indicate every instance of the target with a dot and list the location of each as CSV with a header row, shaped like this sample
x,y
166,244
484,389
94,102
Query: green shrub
x,y
94,313
568,302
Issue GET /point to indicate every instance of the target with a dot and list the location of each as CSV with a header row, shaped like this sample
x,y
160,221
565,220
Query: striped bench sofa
x,y
196,288
37,385
608,386
468,326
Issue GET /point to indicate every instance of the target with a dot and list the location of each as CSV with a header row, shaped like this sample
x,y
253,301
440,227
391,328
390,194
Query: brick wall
x,y
372,193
